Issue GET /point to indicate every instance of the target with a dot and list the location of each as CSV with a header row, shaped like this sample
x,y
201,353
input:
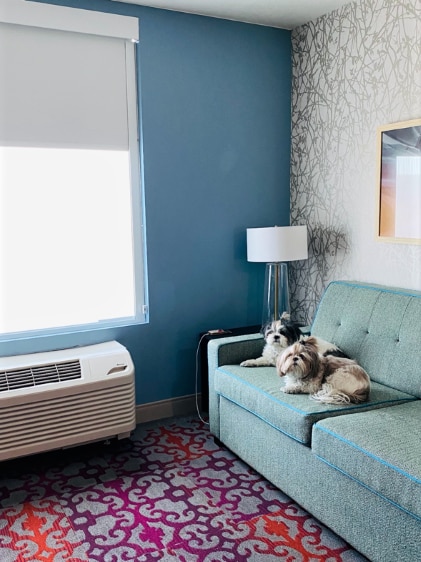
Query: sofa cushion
x,y
258,390
380,449
377,326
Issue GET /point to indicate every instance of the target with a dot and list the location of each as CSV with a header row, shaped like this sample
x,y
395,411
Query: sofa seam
x,y
362,450
304,443
288,406
361,483
369,320
357,408
379,288
403,316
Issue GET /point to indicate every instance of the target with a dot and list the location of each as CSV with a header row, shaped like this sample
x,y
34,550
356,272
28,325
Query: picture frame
x,y
399,182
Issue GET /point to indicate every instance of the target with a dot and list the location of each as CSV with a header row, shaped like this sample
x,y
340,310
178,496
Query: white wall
x,y
353,70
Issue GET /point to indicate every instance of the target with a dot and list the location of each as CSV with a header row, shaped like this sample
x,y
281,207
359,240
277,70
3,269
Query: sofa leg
x,y
218,442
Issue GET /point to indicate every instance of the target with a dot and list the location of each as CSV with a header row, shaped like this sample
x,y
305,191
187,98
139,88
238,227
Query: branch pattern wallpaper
x,y
354,70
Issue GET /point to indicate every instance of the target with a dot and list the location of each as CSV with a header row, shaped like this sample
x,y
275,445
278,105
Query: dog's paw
x,y
249,363
292,389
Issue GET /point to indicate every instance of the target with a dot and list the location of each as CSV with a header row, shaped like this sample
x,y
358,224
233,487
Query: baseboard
x,y
182,406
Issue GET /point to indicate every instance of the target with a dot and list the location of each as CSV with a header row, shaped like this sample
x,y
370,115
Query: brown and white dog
x,y
327,378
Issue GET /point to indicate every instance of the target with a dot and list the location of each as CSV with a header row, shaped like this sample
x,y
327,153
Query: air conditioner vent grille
x,y
39,375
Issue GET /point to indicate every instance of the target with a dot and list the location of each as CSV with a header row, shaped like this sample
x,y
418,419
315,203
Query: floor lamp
x,y
276,246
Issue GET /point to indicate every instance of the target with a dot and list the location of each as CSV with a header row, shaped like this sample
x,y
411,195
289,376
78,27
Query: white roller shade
x,y
85,104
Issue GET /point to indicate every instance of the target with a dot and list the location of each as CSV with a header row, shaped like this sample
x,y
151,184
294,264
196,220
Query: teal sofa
x,y
357,468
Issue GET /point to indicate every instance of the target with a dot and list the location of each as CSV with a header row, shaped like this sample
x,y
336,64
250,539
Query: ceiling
x,y
285,14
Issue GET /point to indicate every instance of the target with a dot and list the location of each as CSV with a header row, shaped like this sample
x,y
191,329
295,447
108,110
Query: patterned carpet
x,y
168,494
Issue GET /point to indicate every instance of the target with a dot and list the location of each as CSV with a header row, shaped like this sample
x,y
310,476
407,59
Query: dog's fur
x,y
281,334
327,378
278,336
325,347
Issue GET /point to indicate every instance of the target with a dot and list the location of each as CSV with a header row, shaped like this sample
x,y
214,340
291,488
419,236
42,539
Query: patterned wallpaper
x,y
353,70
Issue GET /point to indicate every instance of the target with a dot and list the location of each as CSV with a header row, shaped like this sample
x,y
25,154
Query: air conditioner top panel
x,y
36,376
74,353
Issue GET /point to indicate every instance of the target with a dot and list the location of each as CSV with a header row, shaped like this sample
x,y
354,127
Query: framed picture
x,y
399,182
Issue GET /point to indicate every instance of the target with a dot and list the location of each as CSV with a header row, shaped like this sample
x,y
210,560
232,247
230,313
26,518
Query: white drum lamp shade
x,y
275,246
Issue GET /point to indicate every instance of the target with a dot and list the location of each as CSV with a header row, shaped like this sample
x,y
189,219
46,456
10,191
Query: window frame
x,y
126,28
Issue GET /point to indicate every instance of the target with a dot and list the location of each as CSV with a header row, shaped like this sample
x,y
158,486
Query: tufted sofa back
x,y
380,327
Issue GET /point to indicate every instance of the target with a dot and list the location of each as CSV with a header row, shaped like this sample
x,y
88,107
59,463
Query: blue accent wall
x,y
215,99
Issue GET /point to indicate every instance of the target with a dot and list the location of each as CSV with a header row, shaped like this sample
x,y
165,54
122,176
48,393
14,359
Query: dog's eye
x,y
301,355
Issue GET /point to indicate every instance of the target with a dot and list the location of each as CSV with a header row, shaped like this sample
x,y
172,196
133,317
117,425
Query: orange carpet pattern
x,y
170,494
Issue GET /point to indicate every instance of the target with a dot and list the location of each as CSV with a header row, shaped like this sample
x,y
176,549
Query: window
x,y
71,238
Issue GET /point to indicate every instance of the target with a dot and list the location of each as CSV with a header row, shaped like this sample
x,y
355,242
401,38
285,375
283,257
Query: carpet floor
x,y
169,493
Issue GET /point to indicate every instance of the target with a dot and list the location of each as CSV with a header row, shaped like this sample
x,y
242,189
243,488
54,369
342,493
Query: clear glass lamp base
x,y
276,297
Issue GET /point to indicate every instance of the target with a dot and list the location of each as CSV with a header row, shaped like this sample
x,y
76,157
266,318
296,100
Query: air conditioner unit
x,y
63,398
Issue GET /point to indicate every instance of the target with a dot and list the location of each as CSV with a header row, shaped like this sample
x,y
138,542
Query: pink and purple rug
x,y
171,494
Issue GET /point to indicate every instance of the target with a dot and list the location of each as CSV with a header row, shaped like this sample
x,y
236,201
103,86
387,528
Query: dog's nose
x,y
276,337
295,359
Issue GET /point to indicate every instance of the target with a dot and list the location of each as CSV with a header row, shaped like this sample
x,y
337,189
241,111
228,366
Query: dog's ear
x,y
296,330
263,329
286,317
310,340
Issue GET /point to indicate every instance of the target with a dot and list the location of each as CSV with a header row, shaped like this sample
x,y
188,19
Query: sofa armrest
x,y
232,350
228,351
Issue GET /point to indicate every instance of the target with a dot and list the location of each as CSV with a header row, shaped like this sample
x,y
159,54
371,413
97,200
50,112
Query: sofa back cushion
x,y
380,327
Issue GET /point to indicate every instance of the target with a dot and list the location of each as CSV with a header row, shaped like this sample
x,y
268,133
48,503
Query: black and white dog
x,y
279,335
